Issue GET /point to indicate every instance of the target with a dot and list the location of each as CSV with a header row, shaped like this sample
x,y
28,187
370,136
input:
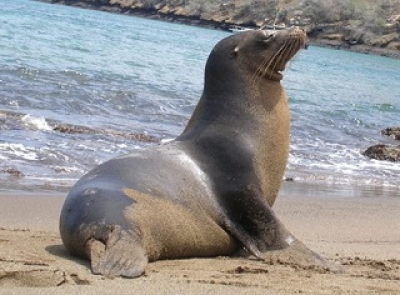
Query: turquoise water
x,y
103,70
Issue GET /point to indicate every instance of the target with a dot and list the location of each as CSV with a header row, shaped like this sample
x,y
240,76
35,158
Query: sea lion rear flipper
x,y
120,256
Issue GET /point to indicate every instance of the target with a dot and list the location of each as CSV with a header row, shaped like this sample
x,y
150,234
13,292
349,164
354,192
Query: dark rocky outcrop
x,y
12,172
78,129
17,121
393,132
383,152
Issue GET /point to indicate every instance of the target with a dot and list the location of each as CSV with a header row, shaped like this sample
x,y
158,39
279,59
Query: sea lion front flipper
x,y
286,249
263,235
298,255
121,255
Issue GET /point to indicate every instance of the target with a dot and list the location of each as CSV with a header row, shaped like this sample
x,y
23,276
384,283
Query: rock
x,y
77,129
383,152
385,40
13,172
394,18
393,132
394,46
122,3
333,37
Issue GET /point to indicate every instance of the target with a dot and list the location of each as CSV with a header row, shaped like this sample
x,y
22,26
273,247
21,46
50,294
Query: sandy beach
x,y
355,229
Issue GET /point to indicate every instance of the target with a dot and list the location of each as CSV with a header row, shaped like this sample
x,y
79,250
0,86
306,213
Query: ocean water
x,y
116,75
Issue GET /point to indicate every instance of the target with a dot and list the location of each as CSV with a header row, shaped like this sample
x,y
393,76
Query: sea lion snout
x,y
300,34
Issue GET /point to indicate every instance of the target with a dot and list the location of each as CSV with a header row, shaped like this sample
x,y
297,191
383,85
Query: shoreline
x,y
215,25
359,232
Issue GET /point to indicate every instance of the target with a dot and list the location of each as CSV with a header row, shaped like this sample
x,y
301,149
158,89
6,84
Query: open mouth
x,y
279,68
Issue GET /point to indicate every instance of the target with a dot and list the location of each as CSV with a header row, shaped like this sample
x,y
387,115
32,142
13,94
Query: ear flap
x,y
234,52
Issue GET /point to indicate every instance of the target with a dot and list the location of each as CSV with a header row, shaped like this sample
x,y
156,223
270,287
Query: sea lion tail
x,y
120,255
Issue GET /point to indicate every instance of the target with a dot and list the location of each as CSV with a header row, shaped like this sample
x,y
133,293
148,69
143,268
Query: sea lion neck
x,y
225,103
249,128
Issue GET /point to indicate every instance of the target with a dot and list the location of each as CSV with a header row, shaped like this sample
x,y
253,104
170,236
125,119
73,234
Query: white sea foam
x,y
38,123
166,140
18,150
338,164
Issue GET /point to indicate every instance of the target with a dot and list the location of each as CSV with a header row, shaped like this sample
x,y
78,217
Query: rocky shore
x,y
384,151
372,28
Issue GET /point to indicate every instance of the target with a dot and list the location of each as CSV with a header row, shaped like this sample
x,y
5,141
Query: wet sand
x,y
357,229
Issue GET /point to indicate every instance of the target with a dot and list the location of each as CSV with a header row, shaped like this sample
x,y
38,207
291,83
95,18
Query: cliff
x,y
370,26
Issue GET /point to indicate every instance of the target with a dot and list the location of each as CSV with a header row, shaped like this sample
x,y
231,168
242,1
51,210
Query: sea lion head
x,y
258,53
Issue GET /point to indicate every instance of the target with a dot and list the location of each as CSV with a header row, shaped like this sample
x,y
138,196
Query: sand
x,y
357,229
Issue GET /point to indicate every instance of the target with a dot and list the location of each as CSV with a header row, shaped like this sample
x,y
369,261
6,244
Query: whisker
x,y
273,59
259,73
276,60
290,50
292,44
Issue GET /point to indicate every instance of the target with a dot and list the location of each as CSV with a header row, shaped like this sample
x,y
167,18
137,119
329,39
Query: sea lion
x,y
209,192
